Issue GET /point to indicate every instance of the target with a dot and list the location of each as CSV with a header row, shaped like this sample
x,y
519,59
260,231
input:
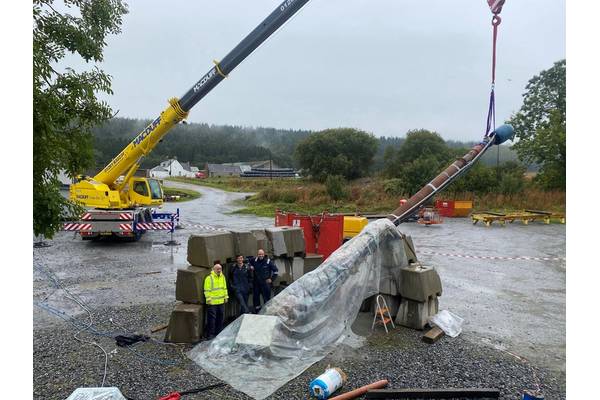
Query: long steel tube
x,y
447,176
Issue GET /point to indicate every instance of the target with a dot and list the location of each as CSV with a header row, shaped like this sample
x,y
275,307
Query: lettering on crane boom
x,y
114,161
286,4
205,79
144,134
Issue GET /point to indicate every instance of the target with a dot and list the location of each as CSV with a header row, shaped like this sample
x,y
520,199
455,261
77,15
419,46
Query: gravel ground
x,y
61,364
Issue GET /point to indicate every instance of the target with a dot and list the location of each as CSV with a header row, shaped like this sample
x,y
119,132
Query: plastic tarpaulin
x,y
98,393
257,354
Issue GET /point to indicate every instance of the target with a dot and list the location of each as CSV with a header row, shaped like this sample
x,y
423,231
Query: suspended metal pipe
x,y
447,176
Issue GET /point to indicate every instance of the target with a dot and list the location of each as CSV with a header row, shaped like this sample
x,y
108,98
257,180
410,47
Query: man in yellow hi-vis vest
x,y
215,292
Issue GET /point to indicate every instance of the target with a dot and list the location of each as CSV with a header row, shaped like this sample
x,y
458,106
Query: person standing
x,y
265,272
240,282
215,292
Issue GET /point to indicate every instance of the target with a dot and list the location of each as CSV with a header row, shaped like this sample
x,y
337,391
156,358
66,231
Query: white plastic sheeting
x,y
447,321
98,393
313,315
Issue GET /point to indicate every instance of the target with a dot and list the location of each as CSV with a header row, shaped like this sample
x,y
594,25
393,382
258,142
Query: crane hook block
x,y
503,133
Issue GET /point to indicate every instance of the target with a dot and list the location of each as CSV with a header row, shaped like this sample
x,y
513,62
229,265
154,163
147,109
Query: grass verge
x,y
184,194
367,195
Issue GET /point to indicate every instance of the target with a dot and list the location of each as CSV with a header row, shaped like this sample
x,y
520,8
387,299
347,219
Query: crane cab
x,y
144,192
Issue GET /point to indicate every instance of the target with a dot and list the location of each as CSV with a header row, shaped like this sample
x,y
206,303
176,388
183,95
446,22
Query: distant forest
x,y
201,143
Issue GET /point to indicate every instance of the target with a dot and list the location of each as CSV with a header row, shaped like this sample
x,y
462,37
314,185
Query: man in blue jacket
x,y
265,273
240,282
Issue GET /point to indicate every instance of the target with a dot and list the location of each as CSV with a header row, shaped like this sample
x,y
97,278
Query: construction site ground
x,y
508,283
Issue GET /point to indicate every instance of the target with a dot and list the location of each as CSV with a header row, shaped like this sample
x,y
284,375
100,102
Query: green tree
x,y
65,107
419,144
343,151
415,174
540,126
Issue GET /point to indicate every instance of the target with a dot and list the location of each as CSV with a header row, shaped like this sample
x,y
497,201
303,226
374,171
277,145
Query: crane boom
x,y
145,141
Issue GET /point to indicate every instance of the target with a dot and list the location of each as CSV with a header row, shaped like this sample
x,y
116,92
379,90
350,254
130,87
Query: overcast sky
x,y
385,66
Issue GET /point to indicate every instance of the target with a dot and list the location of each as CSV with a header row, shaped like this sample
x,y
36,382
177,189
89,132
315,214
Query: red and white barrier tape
x,y
205,227
154,226
524,258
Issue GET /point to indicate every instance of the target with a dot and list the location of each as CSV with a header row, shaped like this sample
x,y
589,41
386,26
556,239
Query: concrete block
x,y
394,252
312,262
297,268
277,237
409,249
393,303
186,324
414,314
244,243
434,305
262,241
388,280
205,248
284,274
286,240
298,246
419,282
189,286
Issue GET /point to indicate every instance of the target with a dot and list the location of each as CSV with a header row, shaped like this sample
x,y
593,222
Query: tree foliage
x,y
65,106
343,151
424,154
421,157
199,143
540,125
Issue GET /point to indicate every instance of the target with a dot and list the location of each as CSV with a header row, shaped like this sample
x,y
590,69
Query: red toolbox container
x,y
323,233
445,207
454,208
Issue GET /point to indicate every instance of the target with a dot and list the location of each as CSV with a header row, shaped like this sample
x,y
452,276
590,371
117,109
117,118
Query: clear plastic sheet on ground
x,y
447,321
308,319
98,393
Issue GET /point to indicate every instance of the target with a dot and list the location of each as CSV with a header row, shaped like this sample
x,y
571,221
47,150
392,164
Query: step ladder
x,y
382,309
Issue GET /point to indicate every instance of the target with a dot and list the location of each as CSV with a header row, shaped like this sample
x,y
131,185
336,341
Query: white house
x,y
172,168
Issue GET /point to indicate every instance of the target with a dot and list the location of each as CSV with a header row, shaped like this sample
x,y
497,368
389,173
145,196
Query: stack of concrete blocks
x,y
288,251
394,257
187,321
420,287
410,290
284,245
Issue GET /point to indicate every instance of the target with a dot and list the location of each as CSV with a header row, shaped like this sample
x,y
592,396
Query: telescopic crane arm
x,y
127,160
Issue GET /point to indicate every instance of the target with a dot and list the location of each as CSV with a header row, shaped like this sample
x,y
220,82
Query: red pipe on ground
x,y
361,390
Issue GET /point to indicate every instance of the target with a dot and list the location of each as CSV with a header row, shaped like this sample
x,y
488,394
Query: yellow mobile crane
x,y
121,203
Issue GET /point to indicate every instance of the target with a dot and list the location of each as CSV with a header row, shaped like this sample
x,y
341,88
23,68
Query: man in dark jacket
x,y
265,273
240,282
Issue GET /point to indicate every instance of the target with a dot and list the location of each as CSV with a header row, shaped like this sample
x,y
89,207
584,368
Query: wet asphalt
x,y
512,305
